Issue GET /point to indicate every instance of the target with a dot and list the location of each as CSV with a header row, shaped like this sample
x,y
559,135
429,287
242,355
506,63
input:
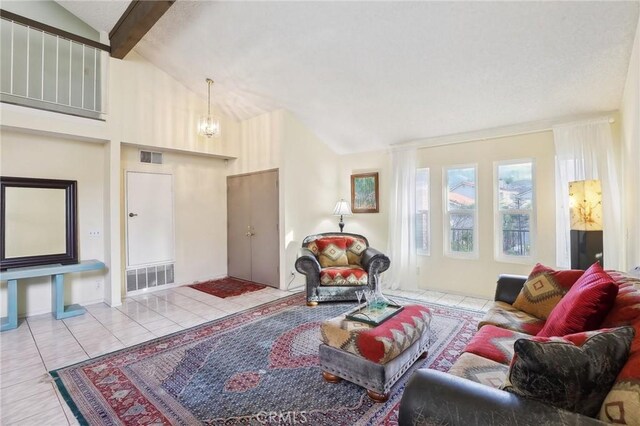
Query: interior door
x,y
253,237
239,227
265,255
149,216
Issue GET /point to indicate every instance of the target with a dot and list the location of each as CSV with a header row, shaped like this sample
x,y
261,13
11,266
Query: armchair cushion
x,y
544,290
355,248
574,372
332,251
344,275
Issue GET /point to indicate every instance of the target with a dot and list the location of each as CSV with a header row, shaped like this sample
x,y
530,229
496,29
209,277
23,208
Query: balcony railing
x,y
43,67
516,242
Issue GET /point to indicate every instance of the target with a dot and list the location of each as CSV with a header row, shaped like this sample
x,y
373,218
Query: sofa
x,y
470,393
338,264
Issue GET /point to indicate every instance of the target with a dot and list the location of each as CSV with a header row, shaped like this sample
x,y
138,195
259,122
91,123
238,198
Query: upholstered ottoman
x,y
374,357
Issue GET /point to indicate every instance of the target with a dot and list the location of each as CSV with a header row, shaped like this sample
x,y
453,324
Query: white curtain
x,y
585,151
402,218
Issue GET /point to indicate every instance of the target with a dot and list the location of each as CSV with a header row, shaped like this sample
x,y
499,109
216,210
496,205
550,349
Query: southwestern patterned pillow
x,y
544,289
355,248
573,372
332,251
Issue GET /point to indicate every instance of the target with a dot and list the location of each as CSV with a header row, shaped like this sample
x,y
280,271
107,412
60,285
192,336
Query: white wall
x,y
374,226
147,106
200,197
29,155
309,179
478,276
630,135
438,272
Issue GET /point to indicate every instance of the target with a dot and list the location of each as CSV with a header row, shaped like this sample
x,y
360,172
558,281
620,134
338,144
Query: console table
x,y
56,272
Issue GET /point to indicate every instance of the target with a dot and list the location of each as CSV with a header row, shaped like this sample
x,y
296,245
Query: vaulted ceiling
x,y
363,75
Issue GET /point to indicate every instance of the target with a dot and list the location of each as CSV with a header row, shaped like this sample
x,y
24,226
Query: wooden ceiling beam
x,y
135,22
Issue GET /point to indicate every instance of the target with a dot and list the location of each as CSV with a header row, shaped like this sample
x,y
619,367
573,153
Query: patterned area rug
x,y
227,287
259,366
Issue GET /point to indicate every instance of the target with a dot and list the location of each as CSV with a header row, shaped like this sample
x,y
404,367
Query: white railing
x,y
49,71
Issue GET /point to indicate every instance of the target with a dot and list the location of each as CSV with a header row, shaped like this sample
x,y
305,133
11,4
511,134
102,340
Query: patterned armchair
x,y
337,264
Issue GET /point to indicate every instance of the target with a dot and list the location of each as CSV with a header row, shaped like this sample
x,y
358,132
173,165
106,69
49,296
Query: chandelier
x,y
208,125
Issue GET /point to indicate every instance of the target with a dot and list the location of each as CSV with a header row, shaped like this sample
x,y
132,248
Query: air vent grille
x,y
149,277
150,157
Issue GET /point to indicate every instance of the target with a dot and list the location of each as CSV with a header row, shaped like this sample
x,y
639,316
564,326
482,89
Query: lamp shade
x,y
342,209
585,205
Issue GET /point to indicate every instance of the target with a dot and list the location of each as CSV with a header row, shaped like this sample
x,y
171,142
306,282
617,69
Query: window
x,y
423,219
514,210
461,233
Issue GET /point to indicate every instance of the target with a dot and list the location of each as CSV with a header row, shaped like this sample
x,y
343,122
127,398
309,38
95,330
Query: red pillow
x,y
584,306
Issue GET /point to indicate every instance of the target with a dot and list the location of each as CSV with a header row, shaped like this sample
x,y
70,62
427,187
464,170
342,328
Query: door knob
x,y
133,214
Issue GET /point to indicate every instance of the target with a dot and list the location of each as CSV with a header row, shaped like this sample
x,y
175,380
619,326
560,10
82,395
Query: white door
x,y
149,216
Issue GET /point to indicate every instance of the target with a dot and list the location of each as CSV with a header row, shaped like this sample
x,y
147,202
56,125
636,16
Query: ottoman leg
x,y
377,397
331,378
310,303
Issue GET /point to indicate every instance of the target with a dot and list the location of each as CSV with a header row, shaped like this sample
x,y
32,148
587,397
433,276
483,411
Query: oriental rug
x,y
255,367
227,287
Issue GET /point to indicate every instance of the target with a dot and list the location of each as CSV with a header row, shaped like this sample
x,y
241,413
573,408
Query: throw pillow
x,y
574,373
332,251
544,289
355,248
585,305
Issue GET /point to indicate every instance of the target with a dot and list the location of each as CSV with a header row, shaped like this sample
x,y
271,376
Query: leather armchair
x,y
372,261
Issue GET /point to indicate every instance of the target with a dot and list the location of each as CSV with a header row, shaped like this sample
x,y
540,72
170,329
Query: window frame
x,y
499,254
419,251
475,253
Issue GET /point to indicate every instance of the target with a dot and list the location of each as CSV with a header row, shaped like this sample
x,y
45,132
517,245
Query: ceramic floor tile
x,y
167,330
472,303
21,409
103,348
10,378
134,340
64,361
52,354
130,332
21,362
431,295
25,389
162,323
53,417
450,299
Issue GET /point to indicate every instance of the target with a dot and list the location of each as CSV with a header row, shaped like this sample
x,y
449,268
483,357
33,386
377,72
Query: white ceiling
x,y
363,75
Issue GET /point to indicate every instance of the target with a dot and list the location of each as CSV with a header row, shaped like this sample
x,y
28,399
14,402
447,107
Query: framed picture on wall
x,y
365,193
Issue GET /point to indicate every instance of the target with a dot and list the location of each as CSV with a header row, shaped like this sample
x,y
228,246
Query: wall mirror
x,y
38,222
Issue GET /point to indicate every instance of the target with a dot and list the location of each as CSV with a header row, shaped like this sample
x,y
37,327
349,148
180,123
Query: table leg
x,y
59,310
11,320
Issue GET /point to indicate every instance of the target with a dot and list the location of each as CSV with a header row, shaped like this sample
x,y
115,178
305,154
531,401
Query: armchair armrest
x,y
435,398
372,258
306,263
509,287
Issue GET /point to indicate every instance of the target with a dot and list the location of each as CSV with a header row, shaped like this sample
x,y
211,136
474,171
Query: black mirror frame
x,y
71,254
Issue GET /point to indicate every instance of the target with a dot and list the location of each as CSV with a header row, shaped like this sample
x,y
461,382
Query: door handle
x,y
133,214
249,233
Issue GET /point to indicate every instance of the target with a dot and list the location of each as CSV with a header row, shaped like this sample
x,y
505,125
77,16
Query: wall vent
x,y
149,277
150,157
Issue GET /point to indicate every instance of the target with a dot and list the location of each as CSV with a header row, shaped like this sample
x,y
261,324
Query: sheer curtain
x,y
585,151
402,218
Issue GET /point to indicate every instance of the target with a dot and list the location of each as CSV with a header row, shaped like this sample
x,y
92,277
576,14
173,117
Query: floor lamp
x,y
585,210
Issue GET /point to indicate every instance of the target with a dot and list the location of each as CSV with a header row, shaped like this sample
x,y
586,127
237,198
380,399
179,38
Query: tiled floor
x,y
41,344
